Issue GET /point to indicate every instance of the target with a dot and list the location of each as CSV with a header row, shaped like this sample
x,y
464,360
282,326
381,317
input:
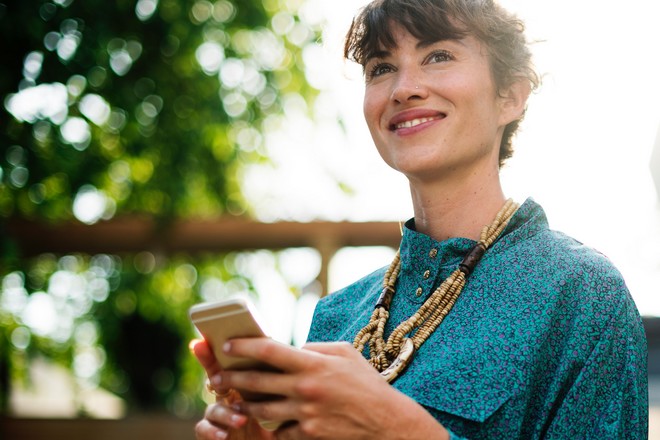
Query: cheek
x,y
374,102
368,105
365,107
371,113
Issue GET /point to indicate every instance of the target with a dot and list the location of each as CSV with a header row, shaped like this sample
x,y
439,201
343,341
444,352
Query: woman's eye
x,y
379,69
440,56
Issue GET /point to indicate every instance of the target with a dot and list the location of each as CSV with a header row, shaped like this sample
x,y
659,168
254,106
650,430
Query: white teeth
x,y
413,123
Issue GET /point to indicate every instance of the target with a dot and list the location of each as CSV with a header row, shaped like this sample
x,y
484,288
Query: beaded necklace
x,y
391,358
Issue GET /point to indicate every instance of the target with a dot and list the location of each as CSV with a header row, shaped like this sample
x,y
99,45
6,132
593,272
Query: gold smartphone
x,y
224,320
228,319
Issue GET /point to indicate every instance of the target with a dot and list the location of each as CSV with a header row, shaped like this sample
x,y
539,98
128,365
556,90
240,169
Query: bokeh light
x,y
144,9
95,108
210,56
76,131
90,204
45,101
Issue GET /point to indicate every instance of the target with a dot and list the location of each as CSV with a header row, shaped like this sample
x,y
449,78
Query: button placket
x,y
433,253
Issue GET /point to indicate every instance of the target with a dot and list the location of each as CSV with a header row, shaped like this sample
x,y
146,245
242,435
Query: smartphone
x,y
228,319
224,320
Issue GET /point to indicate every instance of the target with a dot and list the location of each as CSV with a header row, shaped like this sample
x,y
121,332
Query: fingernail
x,y
237,420
216,381
221,434
226,347
191,345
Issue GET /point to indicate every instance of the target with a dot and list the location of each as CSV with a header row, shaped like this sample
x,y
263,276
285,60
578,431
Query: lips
x,y
413,118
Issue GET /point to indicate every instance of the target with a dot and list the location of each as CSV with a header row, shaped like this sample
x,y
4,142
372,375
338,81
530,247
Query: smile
x,y
415,122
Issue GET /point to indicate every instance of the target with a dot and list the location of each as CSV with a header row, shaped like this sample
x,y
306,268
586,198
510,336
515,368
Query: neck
x,y
456,207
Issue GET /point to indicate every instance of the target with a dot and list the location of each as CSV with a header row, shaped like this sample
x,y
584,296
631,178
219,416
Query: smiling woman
x,y
517,330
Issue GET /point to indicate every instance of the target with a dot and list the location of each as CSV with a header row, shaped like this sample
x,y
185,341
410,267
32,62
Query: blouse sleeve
x,y
609,397
453,436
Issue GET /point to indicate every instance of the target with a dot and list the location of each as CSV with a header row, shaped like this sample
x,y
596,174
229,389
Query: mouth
x,y
414,122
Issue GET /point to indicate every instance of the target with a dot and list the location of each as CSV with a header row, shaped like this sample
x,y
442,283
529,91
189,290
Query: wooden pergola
x,y
136,234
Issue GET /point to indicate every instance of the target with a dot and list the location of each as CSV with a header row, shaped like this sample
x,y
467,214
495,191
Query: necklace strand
x,y
387,355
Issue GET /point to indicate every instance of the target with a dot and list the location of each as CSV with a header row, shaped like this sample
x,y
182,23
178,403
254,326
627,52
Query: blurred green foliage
x,y
118,323
158,112
154,105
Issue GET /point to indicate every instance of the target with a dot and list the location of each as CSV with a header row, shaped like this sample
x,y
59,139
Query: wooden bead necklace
x,y
391,358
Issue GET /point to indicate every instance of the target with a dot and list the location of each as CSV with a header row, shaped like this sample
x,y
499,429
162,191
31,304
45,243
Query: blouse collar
x,y
528,220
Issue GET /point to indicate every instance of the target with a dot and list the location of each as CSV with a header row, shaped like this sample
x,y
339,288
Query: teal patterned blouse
x,y
545,340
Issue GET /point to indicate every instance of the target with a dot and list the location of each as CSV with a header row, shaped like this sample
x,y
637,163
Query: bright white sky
x,y
583,154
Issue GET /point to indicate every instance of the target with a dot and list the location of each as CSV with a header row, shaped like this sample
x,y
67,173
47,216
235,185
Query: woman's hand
x,y
222,419
328,391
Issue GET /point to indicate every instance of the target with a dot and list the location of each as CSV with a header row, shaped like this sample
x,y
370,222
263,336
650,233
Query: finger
x,y
272,411
205,356
251,383
205,430
281,356
224,416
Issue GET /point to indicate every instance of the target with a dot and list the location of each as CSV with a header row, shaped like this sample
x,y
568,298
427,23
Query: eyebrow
x,y
420,45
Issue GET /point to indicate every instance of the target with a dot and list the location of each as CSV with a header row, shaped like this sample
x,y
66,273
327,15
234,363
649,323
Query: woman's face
x,y
433,109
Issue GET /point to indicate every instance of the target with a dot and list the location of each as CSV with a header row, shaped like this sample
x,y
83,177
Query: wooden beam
x,y
162,427
129,235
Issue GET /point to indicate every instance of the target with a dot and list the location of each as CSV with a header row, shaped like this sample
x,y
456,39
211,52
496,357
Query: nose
x,y
408,87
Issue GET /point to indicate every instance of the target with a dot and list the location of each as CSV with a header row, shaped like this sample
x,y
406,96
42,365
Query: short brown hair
x,y
435,20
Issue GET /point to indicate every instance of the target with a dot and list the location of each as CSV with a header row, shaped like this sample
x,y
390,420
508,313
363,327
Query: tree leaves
x,y
148,102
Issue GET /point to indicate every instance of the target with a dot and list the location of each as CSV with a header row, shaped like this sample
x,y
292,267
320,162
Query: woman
x,y
507,331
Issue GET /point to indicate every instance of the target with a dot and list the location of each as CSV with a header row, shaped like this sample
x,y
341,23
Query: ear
x,y
513,100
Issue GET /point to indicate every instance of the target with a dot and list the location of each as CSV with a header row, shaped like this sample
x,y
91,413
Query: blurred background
x,y
159,153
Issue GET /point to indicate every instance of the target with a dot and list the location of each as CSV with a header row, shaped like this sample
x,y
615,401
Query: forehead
x,y
402,39
384,36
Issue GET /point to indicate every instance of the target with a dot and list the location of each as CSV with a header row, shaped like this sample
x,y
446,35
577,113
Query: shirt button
x,y
433,253
427,274
419,291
